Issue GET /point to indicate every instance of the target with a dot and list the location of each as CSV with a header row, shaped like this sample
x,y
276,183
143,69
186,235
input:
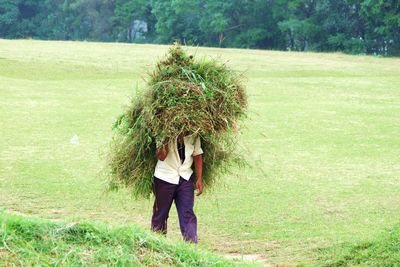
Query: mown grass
x,y
36,242
382,250
322,139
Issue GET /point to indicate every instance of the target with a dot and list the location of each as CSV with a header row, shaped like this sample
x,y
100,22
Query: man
x,y
174,179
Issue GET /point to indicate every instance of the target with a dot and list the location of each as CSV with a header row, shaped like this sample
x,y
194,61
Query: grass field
x,y
322,138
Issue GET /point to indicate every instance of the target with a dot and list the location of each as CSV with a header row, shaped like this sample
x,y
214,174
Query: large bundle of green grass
x,y
183,96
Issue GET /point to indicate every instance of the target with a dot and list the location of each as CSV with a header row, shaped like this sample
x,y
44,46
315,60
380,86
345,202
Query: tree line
x,y
352,26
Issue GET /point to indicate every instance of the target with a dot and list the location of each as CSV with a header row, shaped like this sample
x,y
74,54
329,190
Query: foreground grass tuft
x,y
27,241
384,250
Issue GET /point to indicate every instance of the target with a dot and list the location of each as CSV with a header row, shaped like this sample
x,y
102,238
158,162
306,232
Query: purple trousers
x,y
183,194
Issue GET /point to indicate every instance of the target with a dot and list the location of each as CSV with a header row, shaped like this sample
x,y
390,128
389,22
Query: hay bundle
x,y
183,96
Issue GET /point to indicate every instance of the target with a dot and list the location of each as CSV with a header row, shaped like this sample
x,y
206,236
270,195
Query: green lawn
x,y
323,139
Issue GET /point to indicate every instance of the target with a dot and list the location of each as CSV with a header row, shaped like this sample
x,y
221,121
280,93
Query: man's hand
x,y
199,186
162,152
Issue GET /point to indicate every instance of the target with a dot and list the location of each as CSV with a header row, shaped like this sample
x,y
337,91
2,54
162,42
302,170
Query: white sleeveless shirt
x,y
171,168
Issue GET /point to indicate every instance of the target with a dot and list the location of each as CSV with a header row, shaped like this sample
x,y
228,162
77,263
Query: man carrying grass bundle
x,y
174,179
185,99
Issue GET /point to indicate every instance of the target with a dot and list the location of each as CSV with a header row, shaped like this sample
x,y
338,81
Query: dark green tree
x,y
382,19
178,20
9,16
300,25
126,17
239,23
88,19
342,28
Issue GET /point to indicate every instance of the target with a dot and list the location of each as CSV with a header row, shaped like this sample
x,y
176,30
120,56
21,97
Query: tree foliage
x,y
354,26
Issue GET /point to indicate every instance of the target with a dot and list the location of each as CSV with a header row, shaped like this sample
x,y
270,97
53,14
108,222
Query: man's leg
x,y
184,201
164,195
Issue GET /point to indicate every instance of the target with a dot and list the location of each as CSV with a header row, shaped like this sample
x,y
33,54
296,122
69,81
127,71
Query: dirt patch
x,y
5,253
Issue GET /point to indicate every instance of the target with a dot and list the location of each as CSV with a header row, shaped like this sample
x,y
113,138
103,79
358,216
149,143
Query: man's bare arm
x,y
198,165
